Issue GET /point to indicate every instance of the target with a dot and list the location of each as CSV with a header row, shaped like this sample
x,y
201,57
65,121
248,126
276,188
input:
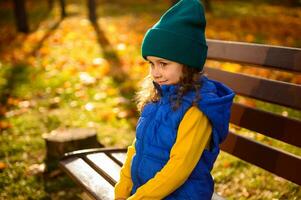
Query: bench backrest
x,y
276,126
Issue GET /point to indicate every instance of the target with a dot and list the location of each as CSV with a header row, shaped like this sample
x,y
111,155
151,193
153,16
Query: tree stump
x,y
61,141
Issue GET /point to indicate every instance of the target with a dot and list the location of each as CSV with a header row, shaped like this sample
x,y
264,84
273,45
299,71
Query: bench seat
x,y
97,171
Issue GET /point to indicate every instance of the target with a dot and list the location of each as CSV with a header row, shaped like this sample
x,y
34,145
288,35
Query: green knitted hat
x,y
179,35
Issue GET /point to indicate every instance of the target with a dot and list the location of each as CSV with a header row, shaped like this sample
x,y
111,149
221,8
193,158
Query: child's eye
x,y
162,64
151,64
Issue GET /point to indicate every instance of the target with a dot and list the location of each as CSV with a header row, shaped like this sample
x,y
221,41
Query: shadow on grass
x,y
37,13
60,187
18,73
47,35
116,70
15,76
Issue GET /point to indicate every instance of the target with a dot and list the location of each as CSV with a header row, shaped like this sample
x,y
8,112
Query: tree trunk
x,y
20,16
293,3
92,10
50,4
63,9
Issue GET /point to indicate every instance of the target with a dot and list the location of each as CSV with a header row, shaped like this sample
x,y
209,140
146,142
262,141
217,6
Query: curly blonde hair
x,y
189,81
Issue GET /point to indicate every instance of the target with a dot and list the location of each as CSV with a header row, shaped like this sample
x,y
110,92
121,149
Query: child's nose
x,y
156,72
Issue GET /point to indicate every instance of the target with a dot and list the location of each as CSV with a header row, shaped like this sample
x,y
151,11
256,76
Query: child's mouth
x,y
161,82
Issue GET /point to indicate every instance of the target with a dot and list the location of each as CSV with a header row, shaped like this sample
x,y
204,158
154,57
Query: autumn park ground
x,y
71,73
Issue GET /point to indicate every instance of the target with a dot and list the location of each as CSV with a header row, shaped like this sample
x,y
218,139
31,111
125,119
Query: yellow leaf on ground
x,y
2,165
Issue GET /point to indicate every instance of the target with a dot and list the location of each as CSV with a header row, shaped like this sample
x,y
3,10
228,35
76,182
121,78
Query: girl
x,y
184,115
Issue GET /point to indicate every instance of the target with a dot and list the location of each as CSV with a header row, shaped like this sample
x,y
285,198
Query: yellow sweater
x,y
192,138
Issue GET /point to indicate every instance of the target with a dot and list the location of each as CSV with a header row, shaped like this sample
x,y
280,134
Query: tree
x,y
63,10
21,16
50,4
92,12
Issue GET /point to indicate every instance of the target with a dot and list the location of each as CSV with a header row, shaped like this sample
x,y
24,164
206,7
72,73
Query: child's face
x,y
165,72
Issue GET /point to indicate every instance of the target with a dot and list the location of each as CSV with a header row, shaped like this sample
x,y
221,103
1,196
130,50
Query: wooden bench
x,y
97,170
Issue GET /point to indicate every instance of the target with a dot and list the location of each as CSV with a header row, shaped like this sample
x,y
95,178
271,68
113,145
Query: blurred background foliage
x,y
69,72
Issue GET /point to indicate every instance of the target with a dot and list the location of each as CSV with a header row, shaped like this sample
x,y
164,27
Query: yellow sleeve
x,y
192,137
124,186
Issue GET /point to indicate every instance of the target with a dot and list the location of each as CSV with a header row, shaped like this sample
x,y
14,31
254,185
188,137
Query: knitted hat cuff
x,y
178,48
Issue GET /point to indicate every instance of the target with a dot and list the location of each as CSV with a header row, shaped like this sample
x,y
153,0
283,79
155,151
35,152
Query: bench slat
x,y
95,150
104,165
120,157
92,182
284,58
266,157
286,94
269,124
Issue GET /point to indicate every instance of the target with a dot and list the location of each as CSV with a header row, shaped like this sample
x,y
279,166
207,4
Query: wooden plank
x,y
284,58
286,94
87,177
118,157
269,158
215,196
269,124
105,166
84,152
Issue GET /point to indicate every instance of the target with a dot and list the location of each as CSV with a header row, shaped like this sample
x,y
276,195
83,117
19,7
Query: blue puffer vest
x,y
156,133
